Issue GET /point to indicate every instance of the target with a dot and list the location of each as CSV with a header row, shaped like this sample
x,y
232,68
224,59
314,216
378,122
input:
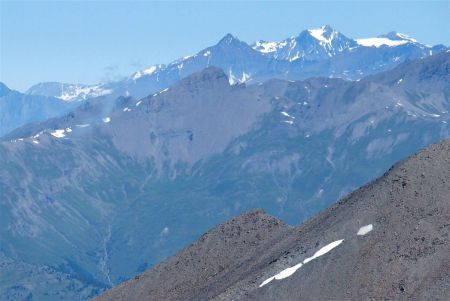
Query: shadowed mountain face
x,y
17,109
387,240
102,194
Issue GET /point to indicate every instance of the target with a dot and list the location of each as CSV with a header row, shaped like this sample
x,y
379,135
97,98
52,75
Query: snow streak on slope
x,y
291,270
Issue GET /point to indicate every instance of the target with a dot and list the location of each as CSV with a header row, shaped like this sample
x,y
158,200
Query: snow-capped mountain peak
x,y
323,34
391,39
263,59
312,44
148,71
396,36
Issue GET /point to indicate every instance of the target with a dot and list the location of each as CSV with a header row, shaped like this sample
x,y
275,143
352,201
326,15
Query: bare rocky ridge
x,y
405,257
215,255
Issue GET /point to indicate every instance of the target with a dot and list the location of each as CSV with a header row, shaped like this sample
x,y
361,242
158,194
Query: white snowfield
x,y
288,272
266,47
318,34
232,79
58,133
81,92
148,71
365,229
322,251
291,270
378,42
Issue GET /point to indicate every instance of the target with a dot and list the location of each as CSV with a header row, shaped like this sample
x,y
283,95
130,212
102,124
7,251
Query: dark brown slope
x,y
405,257
216,254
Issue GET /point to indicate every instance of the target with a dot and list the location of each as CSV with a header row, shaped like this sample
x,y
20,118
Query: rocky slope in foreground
x,y
386,240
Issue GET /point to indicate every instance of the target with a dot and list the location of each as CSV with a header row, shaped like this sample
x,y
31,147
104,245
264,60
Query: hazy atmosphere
x,y
96,41
224,150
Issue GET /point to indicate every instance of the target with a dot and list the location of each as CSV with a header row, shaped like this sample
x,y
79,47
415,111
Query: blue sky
x,y
94,41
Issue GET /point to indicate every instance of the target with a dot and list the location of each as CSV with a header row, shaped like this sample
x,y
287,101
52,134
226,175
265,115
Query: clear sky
x,y
93,41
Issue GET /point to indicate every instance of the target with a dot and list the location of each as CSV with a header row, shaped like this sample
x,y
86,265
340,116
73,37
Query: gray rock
x,y
405,257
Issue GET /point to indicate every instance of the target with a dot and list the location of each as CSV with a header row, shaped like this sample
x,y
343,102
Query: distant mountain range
x,y
115,186
321,52
18,109
387,240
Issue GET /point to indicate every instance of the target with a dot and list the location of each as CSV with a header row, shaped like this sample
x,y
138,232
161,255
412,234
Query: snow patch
x,y
81,92
291,270
233,79
287,115
106,119
318,34
288,272
266,281
378,42
147,71
58,133
324,250
365,229
266,47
